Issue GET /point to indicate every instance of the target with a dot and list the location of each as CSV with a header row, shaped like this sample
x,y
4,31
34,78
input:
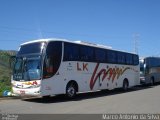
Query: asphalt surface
x,y
140,99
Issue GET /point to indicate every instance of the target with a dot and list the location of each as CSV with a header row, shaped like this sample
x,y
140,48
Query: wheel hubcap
x,y
71,91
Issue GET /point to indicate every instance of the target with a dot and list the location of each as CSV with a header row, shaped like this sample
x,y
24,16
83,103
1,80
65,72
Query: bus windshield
x,y
27,69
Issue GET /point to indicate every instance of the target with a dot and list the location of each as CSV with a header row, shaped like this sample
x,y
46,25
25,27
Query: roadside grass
x,y
5,83
5,72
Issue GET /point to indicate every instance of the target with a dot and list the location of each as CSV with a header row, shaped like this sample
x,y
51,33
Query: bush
x,y
4,87
5,70
5,84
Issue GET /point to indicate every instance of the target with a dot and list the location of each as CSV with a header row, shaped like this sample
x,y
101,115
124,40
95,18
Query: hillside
x,y
5,71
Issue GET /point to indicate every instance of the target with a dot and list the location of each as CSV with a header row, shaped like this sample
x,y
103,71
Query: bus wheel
x,y
125,85
152,81
71,90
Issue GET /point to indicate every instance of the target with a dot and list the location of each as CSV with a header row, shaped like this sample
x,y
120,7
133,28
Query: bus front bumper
x,y
142,80
34,92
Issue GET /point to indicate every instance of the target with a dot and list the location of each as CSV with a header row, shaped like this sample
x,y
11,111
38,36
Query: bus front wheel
x,y
71,90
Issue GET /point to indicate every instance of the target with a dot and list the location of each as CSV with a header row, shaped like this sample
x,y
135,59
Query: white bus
x,y
49,67
149,70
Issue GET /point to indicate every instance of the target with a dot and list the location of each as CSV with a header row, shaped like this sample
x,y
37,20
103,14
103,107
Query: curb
x,y
8,98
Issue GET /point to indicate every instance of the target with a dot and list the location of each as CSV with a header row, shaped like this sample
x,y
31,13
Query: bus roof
x,y
43,40
150,57
65,40
75,42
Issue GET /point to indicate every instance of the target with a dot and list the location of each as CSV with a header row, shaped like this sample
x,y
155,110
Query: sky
x,y
127,25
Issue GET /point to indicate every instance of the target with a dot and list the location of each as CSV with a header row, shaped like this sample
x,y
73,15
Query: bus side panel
x,y
52,86
90,77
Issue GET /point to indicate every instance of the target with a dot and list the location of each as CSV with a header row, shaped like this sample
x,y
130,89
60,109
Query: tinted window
x,y
71,52
121,58
100,55
135,59
86,53
111,56
30,48
52,59
153,62
129,59
75,52
90,54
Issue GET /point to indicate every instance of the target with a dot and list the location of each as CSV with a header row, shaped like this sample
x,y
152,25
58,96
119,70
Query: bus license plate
x,y
22,92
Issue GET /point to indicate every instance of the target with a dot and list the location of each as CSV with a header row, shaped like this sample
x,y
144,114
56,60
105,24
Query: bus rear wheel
x,y
152,81
125,85
71,90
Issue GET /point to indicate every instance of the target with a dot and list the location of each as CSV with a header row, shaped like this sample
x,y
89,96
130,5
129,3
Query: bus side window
x,y
111,56
129,59
121,58
100,55
71,52
135,59
53,59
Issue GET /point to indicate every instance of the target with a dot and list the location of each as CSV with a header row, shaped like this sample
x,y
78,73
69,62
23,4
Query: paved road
x,y
137,100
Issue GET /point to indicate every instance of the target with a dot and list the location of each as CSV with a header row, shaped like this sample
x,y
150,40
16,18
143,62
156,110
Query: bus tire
x,y
46,97
125,84
152,81
71,90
